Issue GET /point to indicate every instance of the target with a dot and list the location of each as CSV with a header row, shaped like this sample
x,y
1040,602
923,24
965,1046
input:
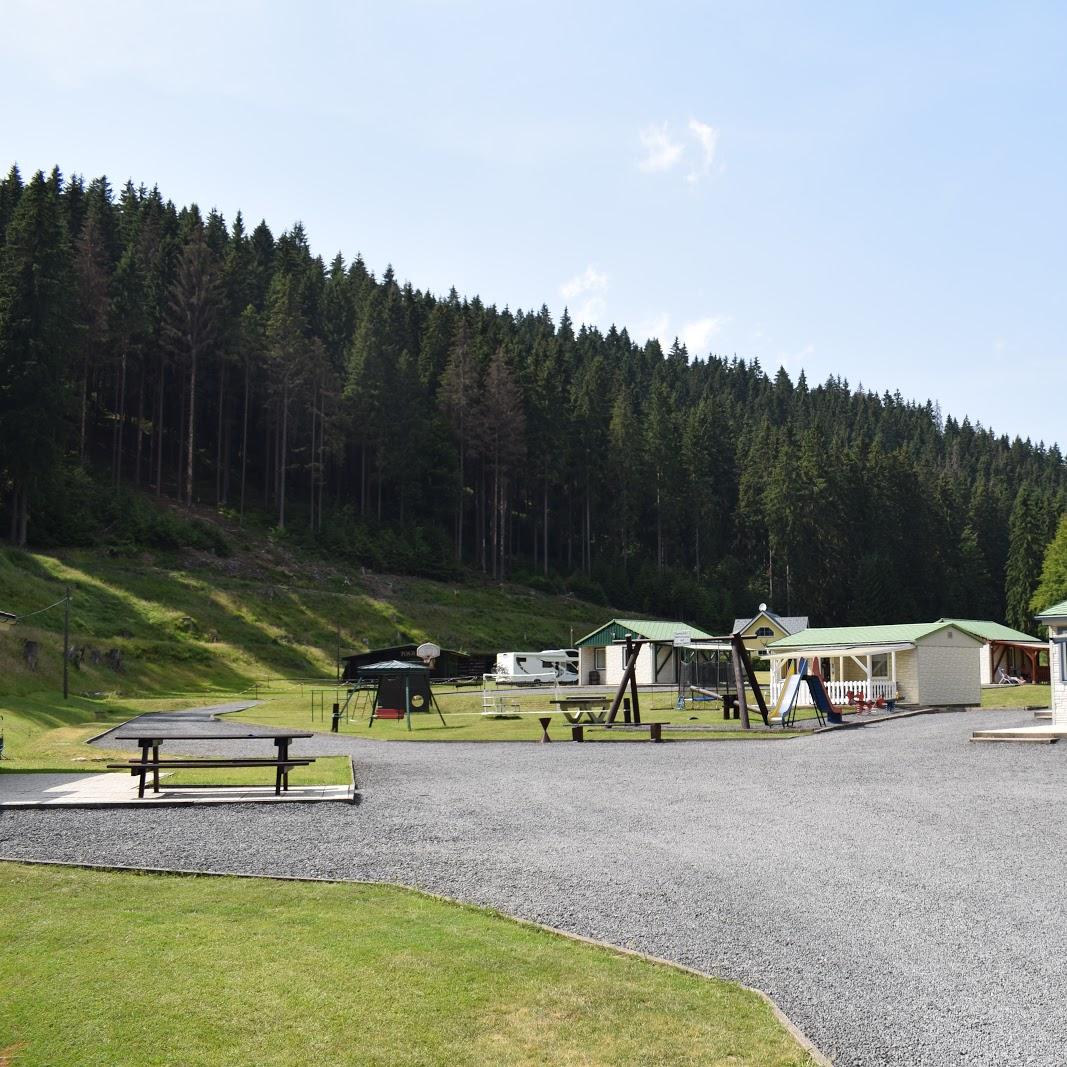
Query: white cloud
x,y
655,327
589,281
707,138
661,153
697,335
591,311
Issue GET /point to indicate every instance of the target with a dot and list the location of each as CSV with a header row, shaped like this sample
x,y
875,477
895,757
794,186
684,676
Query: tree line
x,y
153,348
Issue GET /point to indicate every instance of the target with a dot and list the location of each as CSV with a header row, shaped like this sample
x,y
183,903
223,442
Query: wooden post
x,y
636,705
739,685
66,643
627,675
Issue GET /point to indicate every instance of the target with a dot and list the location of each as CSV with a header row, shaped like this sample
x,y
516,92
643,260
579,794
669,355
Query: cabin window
x,y
1063,659
600,659
765,631
880,665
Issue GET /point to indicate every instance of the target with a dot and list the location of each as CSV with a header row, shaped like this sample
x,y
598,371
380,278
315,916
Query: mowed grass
x,y
119,968
46,733
308,707
1017,696
326,770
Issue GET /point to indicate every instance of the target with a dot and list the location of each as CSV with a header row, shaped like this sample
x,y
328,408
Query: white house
x,y
1055,618
601,659
934,663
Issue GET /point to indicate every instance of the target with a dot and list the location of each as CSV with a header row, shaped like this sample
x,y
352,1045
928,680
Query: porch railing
x,y
838,691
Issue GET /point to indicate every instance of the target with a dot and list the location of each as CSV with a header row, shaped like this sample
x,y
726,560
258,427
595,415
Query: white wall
x,y
1059,685
908,676
949,672
987,664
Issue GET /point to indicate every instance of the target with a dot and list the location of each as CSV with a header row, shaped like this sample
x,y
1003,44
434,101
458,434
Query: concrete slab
x,y
120,790
1036,734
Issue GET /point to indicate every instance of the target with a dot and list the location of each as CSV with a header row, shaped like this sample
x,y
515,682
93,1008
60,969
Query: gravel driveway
x,y
897,890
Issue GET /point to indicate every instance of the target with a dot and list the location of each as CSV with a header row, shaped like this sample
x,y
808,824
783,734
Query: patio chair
x,y
1003,678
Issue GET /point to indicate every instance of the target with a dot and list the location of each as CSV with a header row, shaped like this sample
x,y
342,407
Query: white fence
x,y
838,691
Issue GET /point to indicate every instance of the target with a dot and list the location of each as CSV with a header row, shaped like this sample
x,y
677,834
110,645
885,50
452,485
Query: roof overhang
x,y
837,650
1026,645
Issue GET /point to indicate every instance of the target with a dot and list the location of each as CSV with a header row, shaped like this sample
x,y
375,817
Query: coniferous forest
x,y
147,349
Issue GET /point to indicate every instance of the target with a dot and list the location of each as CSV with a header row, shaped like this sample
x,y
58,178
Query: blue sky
x,y
871,190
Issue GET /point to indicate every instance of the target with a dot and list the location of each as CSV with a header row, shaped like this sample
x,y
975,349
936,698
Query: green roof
x,y
992,631
1057,611
894,633
650,629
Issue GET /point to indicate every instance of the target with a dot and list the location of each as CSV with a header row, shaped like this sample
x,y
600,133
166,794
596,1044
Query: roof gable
x,y
788,624
649,629
1057,611
991,631
865,635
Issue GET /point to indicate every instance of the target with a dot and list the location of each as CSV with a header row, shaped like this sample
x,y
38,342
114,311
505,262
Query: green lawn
x,y
118,968
1017,696
292,706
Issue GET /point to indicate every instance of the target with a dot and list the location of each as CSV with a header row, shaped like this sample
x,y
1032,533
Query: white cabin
x,y
1055,618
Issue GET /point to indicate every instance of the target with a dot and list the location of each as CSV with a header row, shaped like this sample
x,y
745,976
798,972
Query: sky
x,y
869,190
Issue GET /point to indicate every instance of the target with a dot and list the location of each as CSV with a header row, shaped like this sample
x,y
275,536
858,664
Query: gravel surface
x,y
898,891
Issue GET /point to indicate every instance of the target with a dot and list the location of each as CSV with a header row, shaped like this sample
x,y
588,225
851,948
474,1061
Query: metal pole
x,y
66,643
338,654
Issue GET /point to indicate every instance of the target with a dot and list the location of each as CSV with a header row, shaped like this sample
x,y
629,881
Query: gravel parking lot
x,y
898,891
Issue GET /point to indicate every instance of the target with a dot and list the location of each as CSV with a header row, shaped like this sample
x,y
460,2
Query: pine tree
x,y
1052,588
1026,547
36,343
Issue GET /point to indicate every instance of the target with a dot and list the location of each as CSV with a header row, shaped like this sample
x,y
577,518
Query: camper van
x,y
537,668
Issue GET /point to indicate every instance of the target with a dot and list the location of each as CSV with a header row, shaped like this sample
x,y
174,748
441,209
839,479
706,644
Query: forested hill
x,y
149,347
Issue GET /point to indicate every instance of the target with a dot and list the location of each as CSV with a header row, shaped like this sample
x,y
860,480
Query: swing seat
x,y
389,713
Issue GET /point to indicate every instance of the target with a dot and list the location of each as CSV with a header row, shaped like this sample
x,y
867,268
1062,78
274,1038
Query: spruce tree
x,y
1026,547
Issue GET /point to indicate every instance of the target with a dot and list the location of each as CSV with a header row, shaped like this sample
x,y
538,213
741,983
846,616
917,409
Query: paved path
x,y
897,890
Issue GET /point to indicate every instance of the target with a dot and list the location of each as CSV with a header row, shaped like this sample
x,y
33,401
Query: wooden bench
x,y
143,767
655,729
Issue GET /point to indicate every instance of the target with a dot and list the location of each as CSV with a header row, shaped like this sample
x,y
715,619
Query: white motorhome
x,y
537,668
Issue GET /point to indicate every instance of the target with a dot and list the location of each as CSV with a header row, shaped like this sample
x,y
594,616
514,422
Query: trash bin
x,y
594,677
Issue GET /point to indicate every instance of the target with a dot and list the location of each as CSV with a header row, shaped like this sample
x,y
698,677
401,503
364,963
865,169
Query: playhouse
x,y
933,663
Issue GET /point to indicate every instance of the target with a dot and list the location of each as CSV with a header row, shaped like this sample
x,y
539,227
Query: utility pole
x,y
66,643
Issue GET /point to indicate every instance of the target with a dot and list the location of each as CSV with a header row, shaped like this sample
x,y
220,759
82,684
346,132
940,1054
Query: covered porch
x,y
1027,660
868,672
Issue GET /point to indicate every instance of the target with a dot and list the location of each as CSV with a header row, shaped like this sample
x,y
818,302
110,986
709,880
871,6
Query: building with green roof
x,y
601,653
930,663
1008,653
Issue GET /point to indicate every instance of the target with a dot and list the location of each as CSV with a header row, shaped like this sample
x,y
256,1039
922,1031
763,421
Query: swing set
x,y
391,690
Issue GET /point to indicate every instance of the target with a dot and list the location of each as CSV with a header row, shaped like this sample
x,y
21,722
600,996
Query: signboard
x,y
683,639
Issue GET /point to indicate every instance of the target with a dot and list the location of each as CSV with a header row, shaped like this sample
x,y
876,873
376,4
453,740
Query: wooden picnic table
x,y
152,740
574,707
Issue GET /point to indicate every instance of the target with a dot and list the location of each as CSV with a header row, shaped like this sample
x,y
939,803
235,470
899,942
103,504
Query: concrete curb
x,y
798,1035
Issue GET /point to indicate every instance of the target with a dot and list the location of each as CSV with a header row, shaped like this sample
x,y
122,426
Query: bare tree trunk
x,y
140,428
284,443
120,426
84,409
180,480
244,445
544,544
191,443
218,431
159,428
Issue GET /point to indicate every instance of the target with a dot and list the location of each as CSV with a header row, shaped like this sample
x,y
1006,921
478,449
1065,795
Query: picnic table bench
x,y
151,742
655,729
595,708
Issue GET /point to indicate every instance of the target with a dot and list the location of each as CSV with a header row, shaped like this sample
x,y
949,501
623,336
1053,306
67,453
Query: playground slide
x,y
822,698
788,696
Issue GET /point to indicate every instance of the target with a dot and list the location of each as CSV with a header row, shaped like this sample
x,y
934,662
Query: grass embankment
x,y
205,971
1017,696
195,629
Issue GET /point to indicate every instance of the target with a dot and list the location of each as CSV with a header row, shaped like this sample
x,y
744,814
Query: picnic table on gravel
x,y
150,741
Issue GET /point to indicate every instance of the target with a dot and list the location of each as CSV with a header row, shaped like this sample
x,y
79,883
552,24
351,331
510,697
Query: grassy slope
x,y
367,975
198,630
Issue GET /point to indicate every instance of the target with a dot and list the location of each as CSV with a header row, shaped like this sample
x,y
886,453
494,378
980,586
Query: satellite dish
x,y
428,650
763,607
